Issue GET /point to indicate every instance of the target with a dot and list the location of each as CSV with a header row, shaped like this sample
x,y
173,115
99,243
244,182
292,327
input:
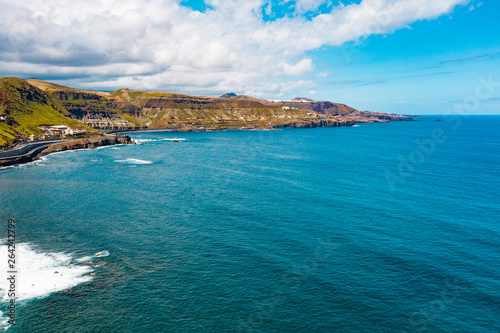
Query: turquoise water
x,y
373,228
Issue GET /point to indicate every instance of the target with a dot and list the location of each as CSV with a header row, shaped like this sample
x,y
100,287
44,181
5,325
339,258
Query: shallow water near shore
x,y
375,228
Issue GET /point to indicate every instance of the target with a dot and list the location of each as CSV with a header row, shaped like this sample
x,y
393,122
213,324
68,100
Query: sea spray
x,y
41,274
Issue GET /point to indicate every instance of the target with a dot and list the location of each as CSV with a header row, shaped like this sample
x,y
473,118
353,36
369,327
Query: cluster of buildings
x,y
61,130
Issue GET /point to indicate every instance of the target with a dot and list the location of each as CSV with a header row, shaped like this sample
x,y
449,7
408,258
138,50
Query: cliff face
x,y
314,124
87,143
325,108
99,112
133,109
174,112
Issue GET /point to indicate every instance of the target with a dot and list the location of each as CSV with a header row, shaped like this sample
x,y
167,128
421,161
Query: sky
x,y
399,56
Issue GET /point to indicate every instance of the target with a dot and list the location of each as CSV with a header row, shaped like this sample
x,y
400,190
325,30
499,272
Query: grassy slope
x,y
140,98
27,108
51,87
85,100
165,109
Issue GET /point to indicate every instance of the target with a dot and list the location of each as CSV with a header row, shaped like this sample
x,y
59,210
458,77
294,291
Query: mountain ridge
x,y
28,104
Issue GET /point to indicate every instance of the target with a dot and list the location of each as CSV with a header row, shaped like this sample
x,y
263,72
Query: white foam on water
x,y
40,274
157,140
135,161
102,254
38,162
85,259
4,322
173,139
8,167
144,140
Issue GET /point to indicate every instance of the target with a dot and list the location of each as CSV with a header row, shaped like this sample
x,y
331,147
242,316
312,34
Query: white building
x,y
63,130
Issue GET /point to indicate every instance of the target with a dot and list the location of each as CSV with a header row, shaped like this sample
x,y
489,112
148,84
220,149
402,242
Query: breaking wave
x,y
139,141
40,274
134,161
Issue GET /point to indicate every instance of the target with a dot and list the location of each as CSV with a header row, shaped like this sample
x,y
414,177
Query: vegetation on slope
x,y
33,103
26,108
97,109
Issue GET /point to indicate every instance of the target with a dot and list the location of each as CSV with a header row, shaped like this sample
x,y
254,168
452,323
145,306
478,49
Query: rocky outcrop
x,y
91,143
377,117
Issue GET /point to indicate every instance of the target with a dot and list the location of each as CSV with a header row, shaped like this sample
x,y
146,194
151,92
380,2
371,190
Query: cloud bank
x,y
160,44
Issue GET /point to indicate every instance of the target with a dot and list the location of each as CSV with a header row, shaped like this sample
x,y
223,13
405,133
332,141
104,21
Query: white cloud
x,y
158,44
303,6
301,67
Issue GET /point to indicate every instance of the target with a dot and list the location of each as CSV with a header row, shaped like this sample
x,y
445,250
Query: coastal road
x,y
26,148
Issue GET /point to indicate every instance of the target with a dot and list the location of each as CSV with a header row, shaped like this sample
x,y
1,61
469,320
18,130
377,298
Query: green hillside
x,y
25,108
27,105
133,109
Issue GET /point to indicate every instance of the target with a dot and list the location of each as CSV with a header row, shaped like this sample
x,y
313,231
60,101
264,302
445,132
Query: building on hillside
x,y
78,132
58,130
62,130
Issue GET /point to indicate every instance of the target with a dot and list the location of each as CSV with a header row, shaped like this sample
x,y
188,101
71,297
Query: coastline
x,y
85,143
117,137
299,123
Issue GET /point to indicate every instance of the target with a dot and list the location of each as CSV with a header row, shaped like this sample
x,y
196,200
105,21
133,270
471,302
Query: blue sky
x,y
401,56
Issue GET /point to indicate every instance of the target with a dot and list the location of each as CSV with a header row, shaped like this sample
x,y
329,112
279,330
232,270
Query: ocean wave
x,y
173,139
134,161
139,141
40,274
38,162
144,140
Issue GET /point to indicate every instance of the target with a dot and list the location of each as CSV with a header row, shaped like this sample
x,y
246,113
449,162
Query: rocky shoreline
x,y
85,143
314,124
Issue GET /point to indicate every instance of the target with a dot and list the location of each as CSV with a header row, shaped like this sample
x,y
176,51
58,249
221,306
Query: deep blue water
x,y
377,228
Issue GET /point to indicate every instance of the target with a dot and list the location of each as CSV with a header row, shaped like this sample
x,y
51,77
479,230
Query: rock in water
x,y
102,254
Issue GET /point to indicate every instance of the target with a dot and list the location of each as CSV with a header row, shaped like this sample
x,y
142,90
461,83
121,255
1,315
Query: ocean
x,y
389,227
